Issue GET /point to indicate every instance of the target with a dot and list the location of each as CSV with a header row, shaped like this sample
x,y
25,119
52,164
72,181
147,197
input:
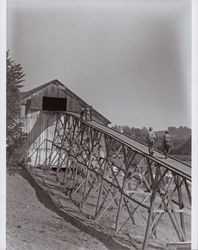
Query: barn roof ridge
x,y
36,89
55,81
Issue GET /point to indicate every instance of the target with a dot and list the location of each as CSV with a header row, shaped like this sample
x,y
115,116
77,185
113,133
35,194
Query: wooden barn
x,y
49,98
53,96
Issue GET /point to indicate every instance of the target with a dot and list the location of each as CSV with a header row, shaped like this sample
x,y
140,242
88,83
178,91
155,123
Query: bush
x,y
14,133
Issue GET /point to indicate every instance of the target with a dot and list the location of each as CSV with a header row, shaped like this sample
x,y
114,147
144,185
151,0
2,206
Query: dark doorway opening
x,y
54,104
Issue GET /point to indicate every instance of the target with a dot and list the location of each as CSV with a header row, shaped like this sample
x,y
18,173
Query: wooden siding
x,y
32,101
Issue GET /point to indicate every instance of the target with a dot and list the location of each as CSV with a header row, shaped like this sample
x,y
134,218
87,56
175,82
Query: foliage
x,y
15,77
181,137
183,149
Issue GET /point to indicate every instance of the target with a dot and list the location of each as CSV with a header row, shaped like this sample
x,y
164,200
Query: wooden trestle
x,y
103,171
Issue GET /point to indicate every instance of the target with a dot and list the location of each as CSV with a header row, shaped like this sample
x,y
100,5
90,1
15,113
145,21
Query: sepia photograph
x,y
98,125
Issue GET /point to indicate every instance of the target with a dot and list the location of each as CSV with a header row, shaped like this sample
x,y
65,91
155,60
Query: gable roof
x,y
37,89
57,83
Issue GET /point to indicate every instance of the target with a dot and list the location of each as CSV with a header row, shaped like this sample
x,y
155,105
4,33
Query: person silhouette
x,y
166,143
151,140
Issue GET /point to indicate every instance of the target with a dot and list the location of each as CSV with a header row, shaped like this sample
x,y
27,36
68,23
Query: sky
x,y
129,59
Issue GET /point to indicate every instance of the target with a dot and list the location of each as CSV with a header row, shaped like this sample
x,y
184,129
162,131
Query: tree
x,y
126,130
14,133
117,128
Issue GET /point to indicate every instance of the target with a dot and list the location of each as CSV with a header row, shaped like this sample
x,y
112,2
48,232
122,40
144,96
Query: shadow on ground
x,y
47,201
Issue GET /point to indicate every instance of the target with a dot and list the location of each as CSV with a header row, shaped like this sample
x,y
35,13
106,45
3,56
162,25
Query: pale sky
x,y
129,59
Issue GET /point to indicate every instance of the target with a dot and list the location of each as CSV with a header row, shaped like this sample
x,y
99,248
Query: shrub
x,y
14,133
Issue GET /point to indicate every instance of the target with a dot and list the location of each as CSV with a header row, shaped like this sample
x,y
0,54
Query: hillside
x,y
30,225
181,137
184,149
181,140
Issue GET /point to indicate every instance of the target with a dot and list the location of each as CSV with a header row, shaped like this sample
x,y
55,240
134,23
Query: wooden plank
x,y
175,224
107,206
181,204
150,217
100,191
187,190
178,245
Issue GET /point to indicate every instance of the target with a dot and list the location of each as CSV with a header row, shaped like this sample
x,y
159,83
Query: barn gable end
x,y
32,101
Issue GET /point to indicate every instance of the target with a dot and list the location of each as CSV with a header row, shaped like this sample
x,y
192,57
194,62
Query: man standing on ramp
x,y
151,140
166,144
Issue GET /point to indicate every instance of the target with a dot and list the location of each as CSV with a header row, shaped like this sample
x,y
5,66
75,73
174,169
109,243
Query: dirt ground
x,y
30,225
36,221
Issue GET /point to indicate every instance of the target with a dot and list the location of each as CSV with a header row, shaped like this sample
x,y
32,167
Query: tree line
x,y
181,137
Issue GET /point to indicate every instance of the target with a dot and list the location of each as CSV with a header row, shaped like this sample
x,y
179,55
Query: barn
x,y
38,111
53,96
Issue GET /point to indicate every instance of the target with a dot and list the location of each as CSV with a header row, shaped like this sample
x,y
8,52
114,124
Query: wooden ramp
x,y
170,163
111,177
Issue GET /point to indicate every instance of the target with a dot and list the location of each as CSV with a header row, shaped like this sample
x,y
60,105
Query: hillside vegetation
x,y
181,137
